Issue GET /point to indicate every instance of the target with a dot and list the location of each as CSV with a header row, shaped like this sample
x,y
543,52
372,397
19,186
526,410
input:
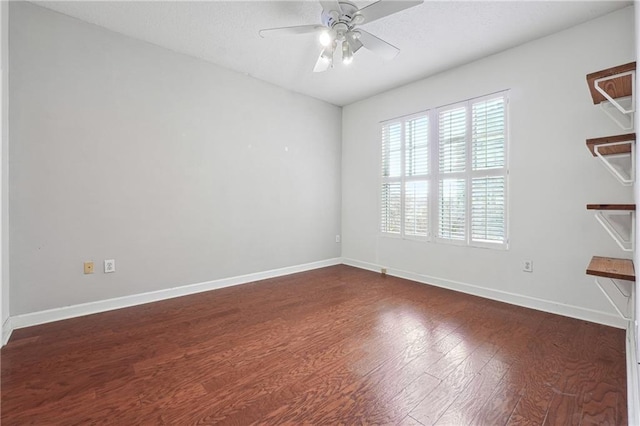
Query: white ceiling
x,y
433,37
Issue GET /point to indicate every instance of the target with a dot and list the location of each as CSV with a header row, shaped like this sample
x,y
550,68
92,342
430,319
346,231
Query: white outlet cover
x,y
527,266
109,266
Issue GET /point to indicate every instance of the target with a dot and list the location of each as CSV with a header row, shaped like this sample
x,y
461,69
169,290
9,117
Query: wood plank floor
x,y
331,346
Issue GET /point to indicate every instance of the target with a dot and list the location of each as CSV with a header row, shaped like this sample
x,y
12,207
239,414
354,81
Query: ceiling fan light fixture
x,y
347,53
326,37
339,19
327,53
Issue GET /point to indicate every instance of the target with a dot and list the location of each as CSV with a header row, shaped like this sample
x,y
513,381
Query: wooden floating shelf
x,y
630,207
611,150
620,269
618,87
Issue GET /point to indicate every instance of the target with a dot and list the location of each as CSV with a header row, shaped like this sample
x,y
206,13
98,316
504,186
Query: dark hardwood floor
x,y
332,346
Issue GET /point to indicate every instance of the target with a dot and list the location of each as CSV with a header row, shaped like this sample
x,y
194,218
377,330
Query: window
x,y
405,177
458,153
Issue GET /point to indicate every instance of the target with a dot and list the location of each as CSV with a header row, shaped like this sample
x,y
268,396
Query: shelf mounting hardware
x,y
614,90
617,154
621,274
623,239
625,291
624,180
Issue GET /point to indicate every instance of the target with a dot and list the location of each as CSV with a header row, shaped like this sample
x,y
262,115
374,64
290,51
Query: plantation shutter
x,y
487,134
416,221
391,203
487,209
452,209
391,189
452,140
417,147
416,194
452,158
488,191
444,174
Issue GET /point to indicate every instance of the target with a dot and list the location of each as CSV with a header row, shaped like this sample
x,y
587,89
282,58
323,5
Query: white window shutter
x,y
488,134
416,213
390,194
488,191
444,174
452,209
392,150
452,131
391,204
452,161
488,209
417,147
416,190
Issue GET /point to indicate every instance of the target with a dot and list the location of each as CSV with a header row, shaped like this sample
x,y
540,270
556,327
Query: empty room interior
x,y
318,212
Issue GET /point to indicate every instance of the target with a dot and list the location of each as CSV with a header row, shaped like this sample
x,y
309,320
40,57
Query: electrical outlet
x,y
527,266
337,238
88,267
109,266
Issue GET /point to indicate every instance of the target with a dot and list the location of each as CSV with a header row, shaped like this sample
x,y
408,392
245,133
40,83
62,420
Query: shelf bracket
x,y
626,181
625,291
615,103
626,242
622,111
624,121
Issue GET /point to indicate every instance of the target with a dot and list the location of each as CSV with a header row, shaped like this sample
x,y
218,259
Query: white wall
x,y
552,174
181,171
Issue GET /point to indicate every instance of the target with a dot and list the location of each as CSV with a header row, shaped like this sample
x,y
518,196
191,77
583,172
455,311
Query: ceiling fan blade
x,y
329,5
322,64
376,45
383,8
283,31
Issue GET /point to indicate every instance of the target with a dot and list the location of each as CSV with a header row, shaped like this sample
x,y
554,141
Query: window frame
x,y
450,175
435,176
503,171
403,178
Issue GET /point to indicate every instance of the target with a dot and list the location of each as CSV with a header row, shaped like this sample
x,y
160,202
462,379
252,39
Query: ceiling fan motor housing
x,y
345,16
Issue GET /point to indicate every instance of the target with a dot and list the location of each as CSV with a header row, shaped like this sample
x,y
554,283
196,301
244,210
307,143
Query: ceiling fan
x,y
338,30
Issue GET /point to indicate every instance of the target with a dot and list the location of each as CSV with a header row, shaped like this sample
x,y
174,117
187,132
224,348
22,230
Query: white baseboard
x,y
57,314
633,390
7,329
501,296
